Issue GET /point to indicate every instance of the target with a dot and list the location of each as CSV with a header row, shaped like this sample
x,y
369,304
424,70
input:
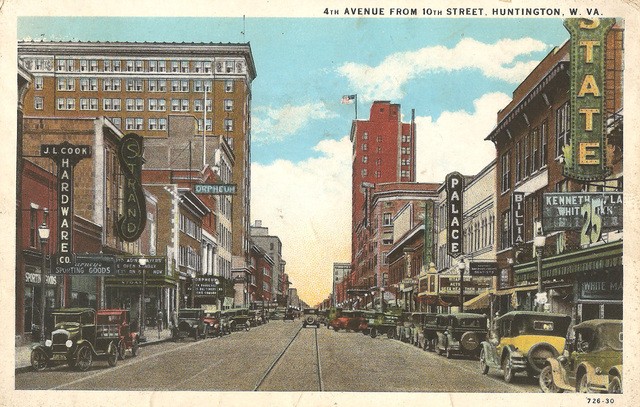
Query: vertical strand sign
x,y
454,187
134,215
66,156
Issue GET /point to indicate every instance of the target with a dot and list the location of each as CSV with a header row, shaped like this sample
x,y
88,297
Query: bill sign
x,y
517,217
66,156
454,187
586,154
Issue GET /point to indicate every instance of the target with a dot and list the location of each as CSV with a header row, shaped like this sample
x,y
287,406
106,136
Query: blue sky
x,y
456,73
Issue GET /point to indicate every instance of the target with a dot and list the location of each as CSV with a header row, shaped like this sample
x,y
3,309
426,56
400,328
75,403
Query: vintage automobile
x,y
128,339
311,317
322,316
403,327
212,323
332,313
290,314
225,319
463,335
415,329
594,366
278,313
239,319
350,320
430,325
383,324
255,317
76,339
523,341
190,324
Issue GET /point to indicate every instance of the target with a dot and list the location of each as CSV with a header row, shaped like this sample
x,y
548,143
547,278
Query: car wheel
x,y
39,360
615,385
484,367
507,369
546,381
583,384
135,348
122,349
84,358
112,354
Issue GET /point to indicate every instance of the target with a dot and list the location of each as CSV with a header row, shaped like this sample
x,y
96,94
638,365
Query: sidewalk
x,y
23,353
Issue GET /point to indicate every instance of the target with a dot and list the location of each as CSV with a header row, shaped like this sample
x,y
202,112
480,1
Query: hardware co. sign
x,y
66,156
454,187
586,154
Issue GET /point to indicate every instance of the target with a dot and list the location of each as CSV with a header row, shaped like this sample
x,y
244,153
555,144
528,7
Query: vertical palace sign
x,y
454,186
66,156
586,153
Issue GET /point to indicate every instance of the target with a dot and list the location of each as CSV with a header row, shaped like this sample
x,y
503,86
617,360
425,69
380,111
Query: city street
x,y
281,356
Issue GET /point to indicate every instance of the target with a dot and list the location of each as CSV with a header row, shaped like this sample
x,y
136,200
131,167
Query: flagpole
x,y
356,106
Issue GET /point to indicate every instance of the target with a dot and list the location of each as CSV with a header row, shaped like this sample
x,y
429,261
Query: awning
x,y
432,300
481,301
509,291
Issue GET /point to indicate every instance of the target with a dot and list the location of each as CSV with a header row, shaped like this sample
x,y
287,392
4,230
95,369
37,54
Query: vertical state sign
x,y
454,187
134,215
66,156
586,154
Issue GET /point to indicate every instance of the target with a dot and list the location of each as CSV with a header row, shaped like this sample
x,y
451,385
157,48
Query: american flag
x,y
348,99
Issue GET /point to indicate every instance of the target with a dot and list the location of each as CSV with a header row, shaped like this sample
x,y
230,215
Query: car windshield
x,y
66,318
471,323
109,319
311,311
540,326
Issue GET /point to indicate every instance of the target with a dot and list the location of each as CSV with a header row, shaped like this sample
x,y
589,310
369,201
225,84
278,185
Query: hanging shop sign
x,y
589,212
601,286
517,217
207,286
130,266
89,265
215,189
428,234
66,156
454,187
585,156
486,269
134,214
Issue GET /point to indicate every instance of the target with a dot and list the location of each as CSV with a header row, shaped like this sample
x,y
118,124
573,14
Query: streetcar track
x,y
320,382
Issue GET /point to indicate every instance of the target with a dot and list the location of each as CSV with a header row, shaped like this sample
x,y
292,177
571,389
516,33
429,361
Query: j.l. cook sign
x,y
66,156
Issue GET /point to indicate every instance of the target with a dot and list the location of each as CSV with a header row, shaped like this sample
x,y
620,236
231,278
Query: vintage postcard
x,y
319,203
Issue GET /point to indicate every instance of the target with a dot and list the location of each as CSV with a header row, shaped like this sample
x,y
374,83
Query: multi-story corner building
x,y
581,271
139,85
261,272
273,247
384,150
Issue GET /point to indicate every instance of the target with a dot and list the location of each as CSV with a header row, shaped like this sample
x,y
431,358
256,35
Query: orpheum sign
x,y
454,187
586,154
66,156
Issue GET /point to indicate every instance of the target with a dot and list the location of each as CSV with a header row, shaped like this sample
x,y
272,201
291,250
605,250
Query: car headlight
x,y
68,343
48,343
598,370
216,326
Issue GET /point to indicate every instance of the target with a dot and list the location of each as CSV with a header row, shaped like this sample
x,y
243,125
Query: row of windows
x,y
530,152
187,225
376,174
135,65
65,84
133,105
188,257
479,235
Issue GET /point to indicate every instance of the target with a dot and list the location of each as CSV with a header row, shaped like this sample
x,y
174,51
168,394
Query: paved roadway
x,y
240,362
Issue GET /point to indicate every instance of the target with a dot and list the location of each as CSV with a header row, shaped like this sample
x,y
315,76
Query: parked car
x,y
128,339
311,317
76,339
415,329
595,365
212,323
278,313
430,325
332,313
403,327
523,341
190,324
350,320
239,319
290,314
463,335
322,316
225,318
383,324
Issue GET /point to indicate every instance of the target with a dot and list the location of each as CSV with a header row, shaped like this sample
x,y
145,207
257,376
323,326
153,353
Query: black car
x,y
463,335
190,324
311,317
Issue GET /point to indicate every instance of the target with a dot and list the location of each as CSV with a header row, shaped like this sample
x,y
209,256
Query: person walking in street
x,y
159,321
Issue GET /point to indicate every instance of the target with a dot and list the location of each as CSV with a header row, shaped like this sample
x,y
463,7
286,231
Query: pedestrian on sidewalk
x,y
159,321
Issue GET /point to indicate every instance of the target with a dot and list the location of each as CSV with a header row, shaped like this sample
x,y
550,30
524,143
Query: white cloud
x,y
455,140
308,205
497,60
273,125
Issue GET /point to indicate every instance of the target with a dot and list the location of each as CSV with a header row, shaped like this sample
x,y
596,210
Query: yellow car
x,y
522,341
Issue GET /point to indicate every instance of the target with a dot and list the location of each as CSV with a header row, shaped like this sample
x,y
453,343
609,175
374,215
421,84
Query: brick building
x,y
273,247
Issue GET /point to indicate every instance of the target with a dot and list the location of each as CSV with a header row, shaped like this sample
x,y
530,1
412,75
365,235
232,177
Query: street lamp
x,y
43,234
461,267
143,262
381,299
373,300
539,242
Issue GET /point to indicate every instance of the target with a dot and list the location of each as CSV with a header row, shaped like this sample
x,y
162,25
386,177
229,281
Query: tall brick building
x,y
138,85
384,150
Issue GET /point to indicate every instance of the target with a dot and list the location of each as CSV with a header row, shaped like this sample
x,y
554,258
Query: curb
x,y
24,369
